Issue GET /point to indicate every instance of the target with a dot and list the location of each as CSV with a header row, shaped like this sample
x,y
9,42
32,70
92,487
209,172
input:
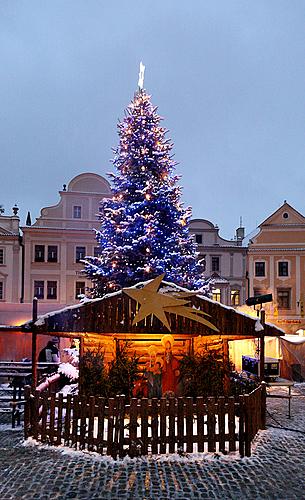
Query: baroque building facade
x,y
276,264
63,235
225,261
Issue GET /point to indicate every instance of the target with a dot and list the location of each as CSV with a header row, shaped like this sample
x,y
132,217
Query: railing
x,y
145,426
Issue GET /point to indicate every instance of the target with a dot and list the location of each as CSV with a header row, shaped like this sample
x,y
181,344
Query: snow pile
x,y
68,370
258,326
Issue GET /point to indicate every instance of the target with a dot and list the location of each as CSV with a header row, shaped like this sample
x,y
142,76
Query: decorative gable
x,y
285,215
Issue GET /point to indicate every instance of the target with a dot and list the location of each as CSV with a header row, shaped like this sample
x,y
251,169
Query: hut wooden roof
x,y
114,313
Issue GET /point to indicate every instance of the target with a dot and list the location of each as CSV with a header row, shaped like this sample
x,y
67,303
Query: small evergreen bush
x,y
202,374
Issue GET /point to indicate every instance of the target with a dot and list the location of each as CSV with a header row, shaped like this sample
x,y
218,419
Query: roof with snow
x,y
114,313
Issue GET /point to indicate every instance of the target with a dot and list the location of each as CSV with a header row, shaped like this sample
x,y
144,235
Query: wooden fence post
x,y
133,426
35,414
154,427
248,419
263,405
27,412
211,421
241,426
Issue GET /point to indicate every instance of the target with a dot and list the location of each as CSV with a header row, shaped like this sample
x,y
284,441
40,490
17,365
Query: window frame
x,y
2,259
198,236
39,259
38,296
279,263
212,263
49,286
50,259
78,259
237,294
77,211
256,274
77,293
281,291
216,292
95,254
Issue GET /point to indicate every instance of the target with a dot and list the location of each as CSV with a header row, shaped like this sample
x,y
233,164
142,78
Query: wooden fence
x,y
145,426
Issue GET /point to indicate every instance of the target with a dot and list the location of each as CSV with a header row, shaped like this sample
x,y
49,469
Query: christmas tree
x,y
144,227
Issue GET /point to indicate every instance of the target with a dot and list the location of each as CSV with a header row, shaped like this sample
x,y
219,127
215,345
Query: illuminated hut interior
x,y
144,314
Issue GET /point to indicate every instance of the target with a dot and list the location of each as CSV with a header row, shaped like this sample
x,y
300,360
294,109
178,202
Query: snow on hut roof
x,y
65,320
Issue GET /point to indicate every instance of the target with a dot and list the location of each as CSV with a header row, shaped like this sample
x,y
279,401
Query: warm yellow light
x,y
147,196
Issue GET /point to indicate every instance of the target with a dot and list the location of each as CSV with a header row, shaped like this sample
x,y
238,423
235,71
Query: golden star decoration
x,y
158,304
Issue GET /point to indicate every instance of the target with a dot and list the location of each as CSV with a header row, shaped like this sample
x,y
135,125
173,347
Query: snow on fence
x,y
145,426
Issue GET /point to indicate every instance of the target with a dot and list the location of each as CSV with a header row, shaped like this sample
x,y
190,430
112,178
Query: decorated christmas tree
x,y
143,227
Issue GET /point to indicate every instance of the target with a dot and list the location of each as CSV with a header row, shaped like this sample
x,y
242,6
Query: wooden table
x,y
282,382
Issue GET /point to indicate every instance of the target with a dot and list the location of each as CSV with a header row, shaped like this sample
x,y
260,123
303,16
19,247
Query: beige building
x,y
225,261
10,258
60,238
276,264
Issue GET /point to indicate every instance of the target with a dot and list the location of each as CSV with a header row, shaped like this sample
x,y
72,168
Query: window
x,y
52,253
79,288
39,253
39,289
80,253
216,294
259,269
198,238
1,291
77,212
52,290
283,268
215,261
235,297
1,256
97,251
283,299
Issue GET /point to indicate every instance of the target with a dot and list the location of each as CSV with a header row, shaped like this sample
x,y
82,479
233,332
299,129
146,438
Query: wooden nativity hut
x,y
152,316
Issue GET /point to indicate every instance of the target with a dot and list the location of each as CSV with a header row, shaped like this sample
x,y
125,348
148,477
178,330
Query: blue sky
x,y
227,76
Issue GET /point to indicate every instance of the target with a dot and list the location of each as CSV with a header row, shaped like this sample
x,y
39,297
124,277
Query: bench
x,y
18,374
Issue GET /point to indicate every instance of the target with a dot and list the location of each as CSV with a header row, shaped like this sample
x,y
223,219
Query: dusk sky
x,y
227,76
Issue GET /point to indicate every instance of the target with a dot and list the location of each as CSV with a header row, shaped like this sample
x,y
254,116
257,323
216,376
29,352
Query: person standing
x,y
170,369
50,353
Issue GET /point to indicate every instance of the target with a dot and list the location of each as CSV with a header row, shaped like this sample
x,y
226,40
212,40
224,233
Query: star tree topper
x,y
141,76
152,302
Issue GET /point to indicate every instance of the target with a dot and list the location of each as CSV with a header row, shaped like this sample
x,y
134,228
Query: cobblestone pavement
x,y
274,471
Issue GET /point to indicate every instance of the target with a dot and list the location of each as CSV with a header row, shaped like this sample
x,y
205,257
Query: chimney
x,y
240,232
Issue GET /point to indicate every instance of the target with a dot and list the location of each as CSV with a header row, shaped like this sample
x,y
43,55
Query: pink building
x,y
51,251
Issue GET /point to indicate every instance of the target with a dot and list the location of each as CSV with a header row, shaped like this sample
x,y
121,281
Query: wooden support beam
x,y
34,344
262,349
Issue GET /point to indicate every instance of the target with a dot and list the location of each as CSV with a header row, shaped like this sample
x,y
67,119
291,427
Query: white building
x,y
225,261
60,238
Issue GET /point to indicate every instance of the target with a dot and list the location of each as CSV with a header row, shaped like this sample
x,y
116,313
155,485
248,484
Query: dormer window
x,y
77,212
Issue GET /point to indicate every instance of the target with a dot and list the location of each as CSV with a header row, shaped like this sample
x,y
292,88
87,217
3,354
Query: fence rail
x,y
145,426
